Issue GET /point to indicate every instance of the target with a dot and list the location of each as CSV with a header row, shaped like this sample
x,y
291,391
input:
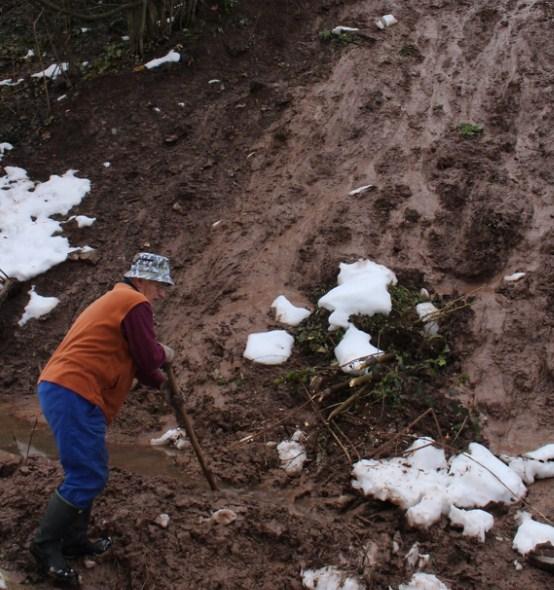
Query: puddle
x,y
15,436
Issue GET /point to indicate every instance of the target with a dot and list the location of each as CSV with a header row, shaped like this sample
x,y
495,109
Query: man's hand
x,y
169,353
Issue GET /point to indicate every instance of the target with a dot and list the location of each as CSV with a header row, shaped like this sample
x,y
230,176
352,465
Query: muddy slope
x,y
271,154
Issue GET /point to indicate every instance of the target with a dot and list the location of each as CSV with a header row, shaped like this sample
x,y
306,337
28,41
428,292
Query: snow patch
x,y
531,533
516,276
425,313
362,289
475,523
174,436
84,221
52,71
5,147
354,349
329,578
269,348
28,237
292,453
424,484
37,306
10,82
286,312
171,57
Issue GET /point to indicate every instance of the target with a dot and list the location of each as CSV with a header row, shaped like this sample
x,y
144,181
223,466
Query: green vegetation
x,y
470,130
327,36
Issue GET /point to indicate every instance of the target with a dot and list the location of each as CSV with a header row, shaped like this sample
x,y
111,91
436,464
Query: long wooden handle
x,y
185,422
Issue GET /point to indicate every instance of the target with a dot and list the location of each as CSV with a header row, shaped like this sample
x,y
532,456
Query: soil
x,y
270,153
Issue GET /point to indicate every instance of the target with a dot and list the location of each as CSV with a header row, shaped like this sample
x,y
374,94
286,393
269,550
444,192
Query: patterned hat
x,y
151,267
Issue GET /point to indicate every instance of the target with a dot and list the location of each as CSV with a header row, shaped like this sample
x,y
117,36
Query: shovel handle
x,y
184,420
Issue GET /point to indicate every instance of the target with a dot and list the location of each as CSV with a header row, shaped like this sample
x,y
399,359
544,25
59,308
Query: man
x,y
81,389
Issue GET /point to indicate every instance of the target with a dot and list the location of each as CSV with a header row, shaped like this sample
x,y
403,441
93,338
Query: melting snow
x,y
537,464
354,349
37,306
10,82
269,348
531,533
84,221
171,57
329,578
426,310
292,453
287,313
362,289
475,523
514,277
28,237
425,485
52,71
5,147
174,436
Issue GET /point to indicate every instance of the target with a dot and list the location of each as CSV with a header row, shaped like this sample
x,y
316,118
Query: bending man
x,y
81,389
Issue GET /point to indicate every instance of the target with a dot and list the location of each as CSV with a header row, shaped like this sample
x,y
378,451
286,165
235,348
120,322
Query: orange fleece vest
x,y
93,359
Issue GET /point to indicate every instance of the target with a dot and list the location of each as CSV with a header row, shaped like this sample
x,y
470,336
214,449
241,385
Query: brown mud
x,y
271,153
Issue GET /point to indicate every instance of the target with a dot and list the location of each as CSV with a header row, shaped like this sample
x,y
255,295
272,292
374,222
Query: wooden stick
x,y
184,421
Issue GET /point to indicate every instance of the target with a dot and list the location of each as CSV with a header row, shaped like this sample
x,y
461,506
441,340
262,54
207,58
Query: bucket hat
x,y
151,267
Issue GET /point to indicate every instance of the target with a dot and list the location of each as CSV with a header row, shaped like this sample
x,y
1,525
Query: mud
x,y
271,154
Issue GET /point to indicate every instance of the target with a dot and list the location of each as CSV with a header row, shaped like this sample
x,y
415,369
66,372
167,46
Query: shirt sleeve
x,y
147,353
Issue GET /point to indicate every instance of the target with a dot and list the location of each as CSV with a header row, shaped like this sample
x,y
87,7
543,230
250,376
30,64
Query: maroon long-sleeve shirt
x,y
146,352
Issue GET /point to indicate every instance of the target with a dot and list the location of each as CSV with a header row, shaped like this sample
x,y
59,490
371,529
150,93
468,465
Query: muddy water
x,y
22,437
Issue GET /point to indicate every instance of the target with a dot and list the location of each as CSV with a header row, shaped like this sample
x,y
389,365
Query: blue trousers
x,y
79,428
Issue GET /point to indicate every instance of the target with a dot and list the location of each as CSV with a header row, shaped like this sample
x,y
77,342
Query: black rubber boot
x,y
77,544
46,547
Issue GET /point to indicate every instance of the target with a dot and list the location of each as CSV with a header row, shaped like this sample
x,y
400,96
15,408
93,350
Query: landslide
x,y
271,153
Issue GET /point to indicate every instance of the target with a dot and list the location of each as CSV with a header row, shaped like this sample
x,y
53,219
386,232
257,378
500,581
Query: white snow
x,y
171,57
29,245
329,578
84,221
62,97
426,310
537,464
3,585
415,559
52,71
340,29
514,277
30,53
421,581
531,533
386,21
360,190
268,348
37,306
5,147
292,453
106,164
287,313
475,523
214,81
362,289
425,485
173,436
354,349
10,82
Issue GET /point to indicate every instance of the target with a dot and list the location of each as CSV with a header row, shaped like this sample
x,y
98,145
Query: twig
x,y
84,16
41,62
30,440
326,424
379,450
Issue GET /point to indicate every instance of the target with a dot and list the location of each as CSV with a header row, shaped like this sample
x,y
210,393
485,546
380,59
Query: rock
x,y
8,463
223,516
162,520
